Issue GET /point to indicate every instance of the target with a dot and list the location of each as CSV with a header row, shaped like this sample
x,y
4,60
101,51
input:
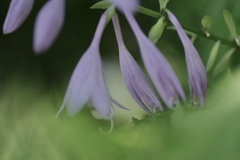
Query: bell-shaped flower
x,y
48,24
161,73
197,78
17,13
135,80
87,82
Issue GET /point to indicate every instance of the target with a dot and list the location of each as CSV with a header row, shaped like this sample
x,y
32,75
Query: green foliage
x,y
163,4
29,130
157,29
111,12
101,5
213,55
230,23
223,63
206,22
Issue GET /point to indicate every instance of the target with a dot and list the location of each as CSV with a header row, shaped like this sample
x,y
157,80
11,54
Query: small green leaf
x,y
213,55
206,22
111,12
223,62
157,30
163,3
101,5
230,23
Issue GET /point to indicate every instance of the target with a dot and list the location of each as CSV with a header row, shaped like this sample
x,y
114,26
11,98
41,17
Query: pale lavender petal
x,y
100,98
129,5
196,72
80,85
48,24
87,82
135,80
17,13
158,68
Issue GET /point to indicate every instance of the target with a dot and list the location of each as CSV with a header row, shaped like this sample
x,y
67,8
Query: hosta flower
x,y
48,24
135,80
196,72
161,73
87,82
17,13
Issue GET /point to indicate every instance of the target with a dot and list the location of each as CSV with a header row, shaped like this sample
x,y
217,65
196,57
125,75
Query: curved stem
x,y
213,37
149,12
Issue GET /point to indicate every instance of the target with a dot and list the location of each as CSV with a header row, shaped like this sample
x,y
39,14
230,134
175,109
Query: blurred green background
x,y
32,88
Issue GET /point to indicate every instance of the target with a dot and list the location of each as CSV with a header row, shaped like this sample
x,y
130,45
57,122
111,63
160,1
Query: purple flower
x,y
48,24
87,82
17,13
197,78
161,73
135,80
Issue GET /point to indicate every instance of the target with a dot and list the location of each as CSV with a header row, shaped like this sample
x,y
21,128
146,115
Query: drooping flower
x,y
17,13
161,73
197,78
48,24
135,80
87,82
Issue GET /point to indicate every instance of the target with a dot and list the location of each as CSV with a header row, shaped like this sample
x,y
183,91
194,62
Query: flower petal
x,y
196,72
87,82
79,88
17,13
100,98
160,71
135,80
48,24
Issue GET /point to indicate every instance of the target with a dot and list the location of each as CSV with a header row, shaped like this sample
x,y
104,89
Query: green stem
x,y
149,12
213,37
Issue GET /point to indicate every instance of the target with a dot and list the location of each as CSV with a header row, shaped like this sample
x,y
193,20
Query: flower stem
x,y
213,37
149,12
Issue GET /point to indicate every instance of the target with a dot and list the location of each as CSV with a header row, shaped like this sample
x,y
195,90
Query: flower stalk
x,y
199,32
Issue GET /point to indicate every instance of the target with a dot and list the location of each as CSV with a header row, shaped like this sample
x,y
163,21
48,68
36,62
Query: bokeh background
x,y
32,88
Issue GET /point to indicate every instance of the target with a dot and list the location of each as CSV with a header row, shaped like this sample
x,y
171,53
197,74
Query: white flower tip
x,y
6,30
37,50
9,26
126,5
40,47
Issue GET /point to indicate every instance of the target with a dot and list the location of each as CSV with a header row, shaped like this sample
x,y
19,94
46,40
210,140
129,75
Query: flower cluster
x,y
87,79
87,84
48,23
